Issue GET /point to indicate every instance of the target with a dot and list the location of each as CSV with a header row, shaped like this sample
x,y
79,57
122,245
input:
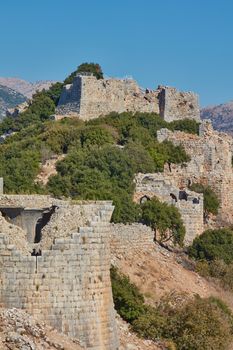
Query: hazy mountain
x,y
9,98
24,87
221,116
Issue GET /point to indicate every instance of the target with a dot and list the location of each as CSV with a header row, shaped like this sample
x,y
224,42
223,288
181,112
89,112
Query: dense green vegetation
x,y
211,201
196,324
93,68
102,155
213,244
214,253
165,220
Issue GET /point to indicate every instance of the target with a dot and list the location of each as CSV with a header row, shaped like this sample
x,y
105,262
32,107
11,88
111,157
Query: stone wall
x,y
90,98
211,164
68,285
125,238
175,105
189,203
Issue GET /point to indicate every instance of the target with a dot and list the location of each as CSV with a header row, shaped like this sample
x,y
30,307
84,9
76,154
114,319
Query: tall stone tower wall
x,y
89,98
68,286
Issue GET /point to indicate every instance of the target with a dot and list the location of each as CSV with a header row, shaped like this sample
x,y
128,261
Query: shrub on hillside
x,y
211,201
165,219
195,324
212,245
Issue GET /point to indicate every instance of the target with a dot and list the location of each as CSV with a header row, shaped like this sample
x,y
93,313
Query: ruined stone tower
x,y
89,98
66,280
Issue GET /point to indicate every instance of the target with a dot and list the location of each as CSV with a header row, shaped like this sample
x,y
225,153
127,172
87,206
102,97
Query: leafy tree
x,y
129,302
212,245
165,219
211,201
93,68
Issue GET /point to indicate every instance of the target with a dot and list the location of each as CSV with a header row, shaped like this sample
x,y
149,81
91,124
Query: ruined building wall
x,y
125,238
67,286
90,98
211,164
175,105
189,203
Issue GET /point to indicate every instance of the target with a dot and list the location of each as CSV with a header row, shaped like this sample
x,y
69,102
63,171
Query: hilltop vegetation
x,y
102,155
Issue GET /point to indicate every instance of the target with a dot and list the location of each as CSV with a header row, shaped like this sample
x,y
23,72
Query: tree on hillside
x,y
165,219
211,201
93,68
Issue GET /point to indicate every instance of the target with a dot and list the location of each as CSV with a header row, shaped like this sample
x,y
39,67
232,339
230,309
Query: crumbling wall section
x,y
125,238
211,164
90,98
189,203
176,105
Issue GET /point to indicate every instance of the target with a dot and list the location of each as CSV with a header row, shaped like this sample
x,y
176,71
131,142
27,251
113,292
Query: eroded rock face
x,y
88,98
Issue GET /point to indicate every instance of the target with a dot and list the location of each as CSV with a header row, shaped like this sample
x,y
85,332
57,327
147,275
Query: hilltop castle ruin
x,y
89,98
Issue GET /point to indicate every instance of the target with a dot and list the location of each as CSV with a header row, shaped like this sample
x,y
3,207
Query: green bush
x,y
128,301
196,324
211,201
165,219
212,245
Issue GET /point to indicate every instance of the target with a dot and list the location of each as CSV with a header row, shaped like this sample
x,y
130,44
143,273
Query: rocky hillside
x,y
9,98
24,87
221,116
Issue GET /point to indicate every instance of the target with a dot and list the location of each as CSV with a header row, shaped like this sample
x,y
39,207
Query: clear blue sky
x,y
183,43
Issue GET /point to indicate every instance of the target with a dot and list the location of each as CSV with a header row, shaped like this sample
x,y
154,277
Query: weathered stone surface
x,y
68,285
211,164
190,204
125,238
89,98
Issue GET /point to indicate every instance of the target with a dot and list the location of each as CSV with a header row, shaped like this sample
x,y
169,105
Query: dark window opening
x,y
36,252
42,222
173,197
196,201
183,196
144,199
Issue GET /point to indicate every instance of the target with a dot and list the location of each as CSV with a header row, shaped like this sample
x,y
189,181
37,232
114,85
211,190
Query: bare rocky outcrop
x,y
221,116
24,87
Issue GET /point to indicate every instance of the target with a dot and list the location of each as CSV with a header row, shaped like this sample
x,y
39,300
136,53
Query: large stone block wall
x,y
211,164
67,286
175,105
90,98
189,203
125,238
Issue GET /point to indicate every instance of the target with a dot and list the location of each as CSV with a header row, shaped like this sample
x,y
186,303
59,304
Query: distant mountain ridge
x,y
8,99
221,116
24,87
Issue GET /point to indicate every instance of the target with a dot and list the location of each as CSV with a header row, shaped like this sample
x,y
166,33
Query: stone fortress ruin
x,y
89,98
189,203
55,254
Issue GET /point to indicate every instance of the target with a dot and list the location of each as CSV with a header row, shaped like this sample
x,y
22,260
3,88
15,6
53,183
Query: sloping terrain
x,y
18,330
8,99
159,273
221,116
24,87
